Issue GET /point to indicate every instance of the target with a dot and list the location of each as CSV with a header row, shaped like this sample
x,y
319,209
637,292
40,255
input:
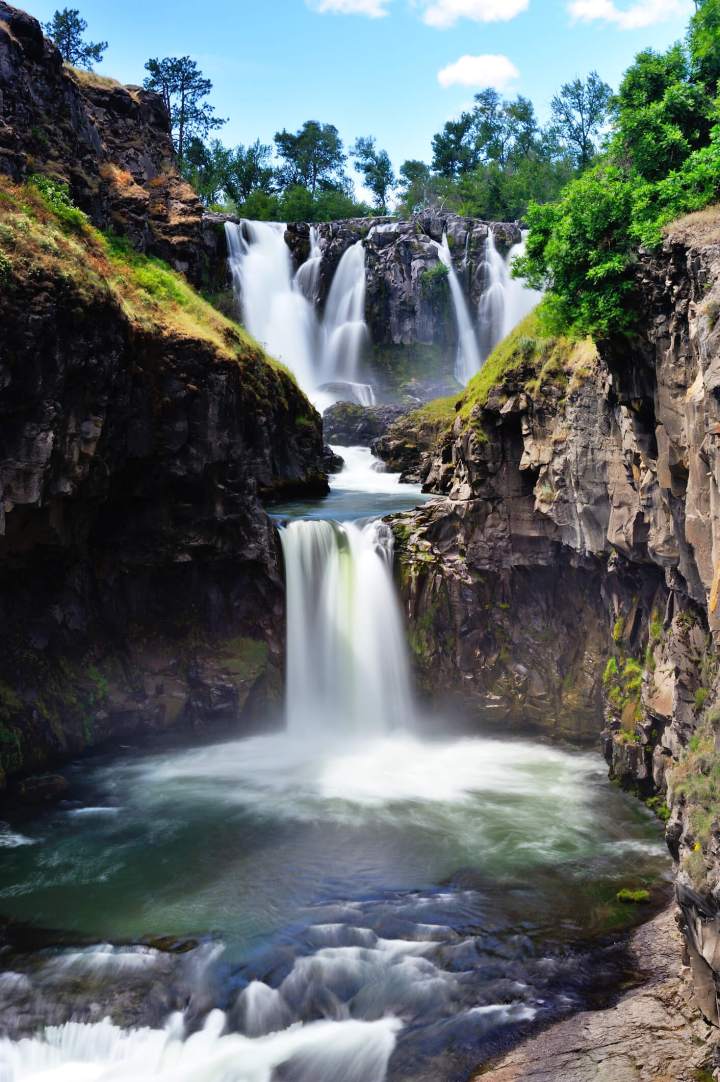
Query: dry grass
x,y
35,242
91,78
697,229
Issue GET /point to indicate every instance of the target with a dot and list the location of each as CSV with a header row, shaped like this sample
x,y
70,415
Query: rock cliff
x,y
140,581
408,306
569,572
111,144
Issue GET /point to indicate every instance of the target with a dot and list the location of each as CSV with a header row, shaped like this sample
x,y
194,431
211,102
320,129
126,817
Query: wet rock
x,y
652,1033
350,425
42,789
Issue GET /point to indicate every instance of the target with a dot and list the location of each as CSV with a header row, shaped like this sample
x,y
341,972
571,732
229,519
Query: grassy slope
x,y
41,233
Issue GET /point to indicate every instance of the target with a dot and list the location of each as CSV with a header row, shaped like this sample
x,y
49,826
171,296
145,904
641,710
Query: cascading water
x,y
347,667
505,300
468,360
280,309
274,309
307,278
344,323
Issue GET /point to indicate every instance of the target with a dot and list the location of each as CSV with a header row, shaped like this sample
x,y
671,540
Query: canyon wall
x,y
569,573
140,578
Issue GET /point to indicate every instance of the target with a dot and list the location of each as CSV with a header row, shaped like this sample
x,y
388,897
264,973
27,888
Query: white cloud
x,y
445,13
634,16
374,9
480,71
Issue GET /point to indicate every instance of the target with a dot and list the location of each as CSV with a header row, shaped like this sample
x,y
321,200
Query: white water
x,y
468,360
506,300
362,472
344,323
279,309
347,669
353,1051
307,278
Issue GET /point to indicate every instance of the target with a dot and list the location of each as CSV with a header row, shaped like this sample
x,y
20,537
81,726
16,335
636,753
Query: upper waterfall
x,y
505,300
280,309
468,359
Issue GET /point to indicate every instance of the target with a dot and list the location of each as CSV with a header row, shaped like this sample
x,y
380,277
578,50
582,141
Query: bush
x,y
633,897
55,194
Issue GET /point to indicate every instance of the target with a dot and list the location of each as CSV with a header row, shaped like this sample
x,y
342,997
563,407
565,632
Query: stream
x,y
365,894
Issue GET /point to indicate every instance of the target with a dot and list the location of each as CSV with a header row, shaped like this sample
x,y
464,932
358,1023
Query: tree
x,y
453,152
206,168
376,169
704,42
660,113
313,155
248,169
66,29
579,112
183,89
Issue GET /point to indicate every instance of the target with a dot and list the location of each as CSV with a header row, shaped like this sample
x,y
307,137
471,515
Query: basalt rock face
x,y
569,571
140,579
408,306
400,307
111,143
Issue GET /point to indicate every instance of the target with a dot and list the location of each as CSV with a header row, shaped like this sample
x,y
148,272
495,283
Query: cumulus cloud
x,y
374,9
445,13
480,71
634,16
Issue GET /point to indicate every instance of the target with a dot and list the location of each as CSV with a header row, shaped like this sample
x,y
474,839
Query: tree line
x,y
661,160
490,162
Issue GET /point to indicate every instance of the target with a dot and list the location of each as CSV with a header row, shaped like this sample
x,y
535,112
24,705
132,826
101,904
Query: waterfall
x,y
274,309
347,665
491,309
280,309
307,278
506,300
344,323
468,360
520,299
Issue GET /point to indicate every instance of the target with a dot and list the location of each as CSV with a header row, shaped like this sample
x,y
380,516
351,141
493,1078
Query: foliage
x,y
183,88
313,156
663,161
66,29
488,163
579,112
633,897
376,169
55,194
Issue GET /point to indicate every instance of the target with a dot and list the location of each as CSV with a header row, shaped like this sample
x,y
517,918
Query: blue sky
x,y
371,67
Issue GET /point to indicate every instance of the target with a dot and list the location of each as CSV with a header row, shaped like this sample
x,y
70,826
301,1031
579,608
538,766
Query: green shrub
x,y
611,670
55,194
633,897
701,697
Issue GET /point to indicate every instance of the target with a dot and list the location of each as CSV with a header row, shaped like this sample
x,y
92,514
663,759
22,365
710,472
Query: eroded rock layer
x,y
571,567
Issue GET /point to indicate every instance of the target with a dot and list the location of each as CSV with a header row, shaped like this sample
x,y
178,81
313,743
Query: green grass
x,y
633,897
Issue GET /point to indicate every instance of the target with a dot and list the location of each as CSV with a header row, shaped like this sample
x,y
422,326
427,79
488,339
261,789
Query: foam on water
x,y
354,1051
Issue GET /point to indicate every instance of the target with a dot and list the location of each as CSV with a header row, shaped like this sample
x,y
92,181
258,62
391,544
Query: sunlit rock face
x,y
570,575
110,142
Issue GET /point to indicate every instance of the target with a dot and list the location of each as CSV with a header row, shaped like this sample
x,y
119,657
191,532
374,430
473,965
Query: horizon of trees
x,y
489,162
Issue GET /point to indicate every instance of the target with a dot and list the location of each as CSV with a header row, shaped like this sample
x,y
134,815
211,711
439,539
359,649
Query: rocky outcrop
x,y
570,572
651,1034
140,579
111,143
408,304
350,425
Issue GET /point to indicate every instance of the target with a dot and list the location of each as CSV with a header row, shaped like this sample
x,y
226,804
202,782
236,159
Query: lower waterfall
x,y
347,666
